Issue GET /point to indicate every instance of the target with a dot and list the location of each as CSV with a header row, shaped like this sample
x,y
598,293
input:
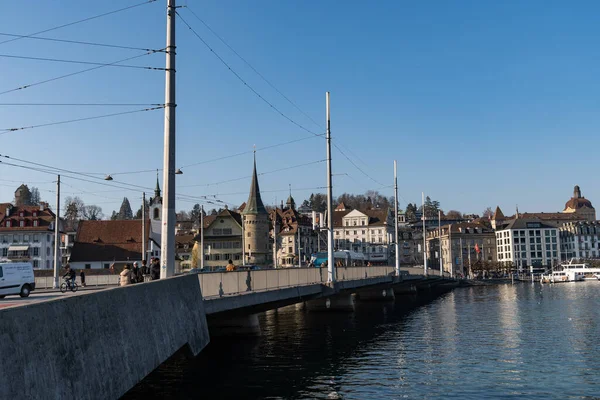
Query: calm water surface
x,y
505,341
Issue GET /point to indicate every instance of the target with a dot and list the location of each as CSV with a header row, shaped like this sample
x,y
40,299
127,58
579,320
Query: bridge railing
x,y
46,282
215,284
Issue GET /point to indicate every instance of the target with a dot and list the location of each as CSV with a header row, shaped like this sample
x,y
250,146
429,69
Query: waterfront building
x,y
411,246
369,231
293,228
580,240
462,245
101,243
256,226
27,233
580,205
222,239
525,242
184,243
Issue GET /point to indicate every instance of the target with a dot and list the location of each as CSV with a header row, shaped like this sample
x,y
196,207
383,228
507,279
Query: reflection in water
x,y
521,341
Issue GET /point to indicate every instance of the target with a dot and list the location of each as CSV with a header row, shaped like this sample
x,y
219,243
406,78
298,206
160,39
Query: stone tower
x,y
22,196
256,226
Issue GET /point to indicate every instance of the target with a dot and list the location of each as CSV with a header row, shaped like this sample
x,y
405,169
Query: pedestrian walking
x,y
82,276
134,272
125,275
155,269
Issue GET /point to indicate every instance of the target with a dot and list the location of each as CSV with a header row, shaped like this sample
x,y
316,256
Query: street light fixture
x,y
108,178
178,172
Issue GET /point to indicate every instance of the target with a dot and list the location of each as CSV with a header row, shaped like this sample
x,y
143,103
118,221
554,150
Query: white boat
x,y
572,272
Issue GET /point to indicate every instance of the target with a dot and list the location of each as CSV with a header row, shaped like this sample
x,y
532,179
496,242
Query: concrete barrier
x,y
98,345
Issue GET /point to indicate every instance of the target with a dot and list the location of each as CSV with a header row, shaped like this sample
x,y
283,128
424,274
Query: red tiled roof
x,y
577,203
118,240
43,217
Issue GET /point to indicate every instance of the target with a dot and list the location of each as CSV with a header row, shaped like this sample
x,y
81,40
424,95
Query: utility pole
x,y
275,237
440,241
396,218
243,241
167,241
462,261
299,249
57,235
143,227
330,259
424,237
202,237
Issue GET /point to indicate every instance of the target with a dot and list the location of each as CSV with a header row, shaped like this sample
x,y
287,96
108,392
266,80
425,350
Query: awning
x,y
18,248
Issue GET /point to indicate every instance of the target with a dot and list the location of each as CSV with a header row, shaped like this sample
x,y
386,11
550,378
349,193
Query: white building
x,y
365,231
27,234
525,242
580,240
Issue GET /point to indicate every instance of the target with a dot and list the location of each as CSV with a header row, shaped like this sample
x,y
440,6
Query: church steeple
x,y
157,189
254,205
576,192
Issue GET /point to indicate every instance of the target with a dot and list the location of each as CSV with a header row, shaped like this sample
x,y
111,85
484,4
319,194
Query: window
x,y
355,232
217,257
106,265
248,234
207,257
36,264
8,224
47,251
36,251
362,222
4,239
35,222
227,231
25,238
290,250
248,247
47,264
354,223
553,233
337,233
155,213
88,266
5,252
236,257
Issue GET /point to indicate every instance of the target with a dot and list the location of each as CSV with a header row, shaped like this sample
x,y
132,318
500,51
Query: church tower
x,y
256,226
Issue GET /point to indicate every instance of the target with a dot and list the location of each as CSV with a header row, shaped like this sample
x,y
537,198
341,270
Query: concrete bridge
x,y
99,344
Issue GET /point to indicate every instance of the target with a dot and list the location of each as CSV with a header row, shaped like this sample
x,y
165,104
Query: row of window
x,y
222,257
223,245
224,231
22,238
27,253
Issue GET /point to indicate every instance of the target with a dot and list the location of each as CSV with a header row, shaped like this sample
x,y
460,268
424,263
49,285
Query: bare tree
x,y
453,214
74,207
92,212
488,213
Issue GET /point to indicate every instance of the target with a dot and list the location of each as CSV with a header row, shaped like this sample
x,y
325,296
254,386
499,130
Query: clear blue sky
x,y
482,103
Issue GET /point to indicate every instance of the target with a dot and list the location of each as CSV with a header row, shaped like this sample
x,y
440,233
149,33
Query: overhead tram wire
x,y
246,83
82,104
79,21
114,46
6,130
260,174
252,67
357,167
82,62
78,72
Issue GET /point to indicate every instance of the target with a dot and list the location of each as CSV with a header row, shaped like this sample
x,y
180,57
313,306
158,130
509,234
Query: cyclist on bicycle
x,y
69,276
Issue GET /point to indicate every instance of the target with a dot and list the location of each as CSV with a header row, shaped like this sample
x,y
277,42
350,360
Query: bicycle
x,y
68,285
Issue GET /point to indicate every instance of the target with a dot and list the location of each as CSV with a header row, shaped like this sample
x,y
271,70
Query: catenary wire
x,y
83,104
75,73
6,130
81,62
243,81
252,67
78,42
79,21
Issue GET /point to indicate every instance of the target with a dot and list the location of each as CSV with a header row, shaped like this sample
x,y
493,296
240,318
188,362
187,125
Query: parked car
x,y
16,278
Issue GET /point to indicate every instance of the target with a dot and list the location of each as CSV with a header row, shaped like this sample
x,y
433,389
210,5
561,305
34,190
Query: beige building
x,y
364,231
462,244
222,239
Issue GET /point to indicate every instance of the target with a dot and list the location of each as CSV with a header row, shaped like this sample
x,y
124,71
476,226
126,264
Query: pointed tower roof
x,y
157,189
291,204
498,213
254,205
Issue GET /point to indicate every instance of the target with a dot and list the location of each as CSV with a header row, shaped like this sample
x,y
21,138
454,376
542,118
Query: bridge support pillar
x,y
340,302
405,289
377,295
243,325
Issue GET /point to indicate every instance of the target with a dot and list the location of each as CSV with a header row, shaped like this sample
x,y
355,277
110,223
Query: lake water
x,y
519,341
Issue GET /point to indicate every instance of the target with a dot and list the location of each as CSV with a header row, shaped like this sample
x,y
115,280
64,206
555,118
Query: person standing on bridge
x,y
230,267
125,275
155,269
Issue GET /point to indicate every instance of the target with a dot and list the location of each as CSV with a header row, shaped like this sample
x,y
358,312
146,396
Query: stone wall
x,y
98,345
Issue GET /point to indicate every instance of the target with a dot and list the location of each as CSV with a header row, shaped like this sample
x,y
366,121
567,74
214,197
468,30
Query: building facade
x,y
222,239
364,231
460,246
525,242
27,234
580,240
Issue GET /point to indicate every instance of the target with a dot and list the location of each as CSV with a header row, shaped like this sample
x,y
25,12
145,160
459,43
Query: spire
x,y
157,189
291,204
254,205
577,192
517,215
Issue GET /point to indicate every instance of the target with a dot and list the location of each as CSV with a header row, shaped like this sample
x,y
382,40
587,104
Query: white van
x,y
16,278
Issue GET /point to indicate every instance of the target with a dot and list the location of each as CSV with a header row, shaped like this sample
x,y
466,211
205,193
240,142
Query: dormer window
x,y
35,213
21,214
36,223
21,223
8,224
